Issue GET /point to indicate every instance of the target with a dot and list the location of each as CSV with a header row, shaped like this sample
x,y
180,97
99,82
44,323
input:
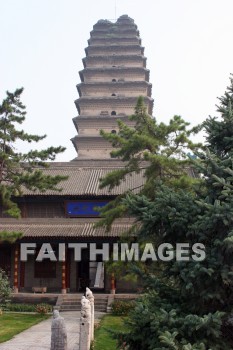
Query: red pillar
x,y
113,284
68,269
16,269
64,273
22,274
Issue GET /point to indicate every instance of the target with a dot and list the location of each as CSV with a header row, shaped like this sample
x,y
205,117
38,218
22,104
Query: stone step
x,y
78,303
73,303
76,308
79,297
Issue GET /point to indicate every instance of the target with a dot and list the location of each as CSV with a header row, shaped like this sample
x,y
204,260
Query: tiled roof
x,y
85,182
64,228
84,178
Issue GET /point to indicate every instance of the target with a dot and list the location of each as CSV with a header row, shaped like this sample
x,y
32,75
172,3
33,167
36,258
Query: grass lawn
x,y
103,339
12,324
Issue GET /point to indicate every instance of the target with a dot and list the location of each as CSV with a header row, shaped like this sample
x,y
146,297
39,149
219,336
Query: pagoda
x,y
114,76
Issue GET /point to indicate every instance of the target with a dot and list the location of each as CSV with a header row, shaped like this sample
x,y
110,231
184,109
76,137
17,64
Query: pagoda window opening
x,y
113,113
113,94
113,131
114,80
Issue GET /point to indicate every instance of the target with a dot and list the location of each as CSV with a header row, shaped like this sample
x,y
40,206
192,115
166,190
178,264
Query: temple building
x,y
113,77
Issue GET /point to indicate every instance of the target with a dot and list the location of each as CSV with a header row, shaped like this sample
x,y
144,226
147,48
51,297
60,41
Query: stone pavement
x,y
38,337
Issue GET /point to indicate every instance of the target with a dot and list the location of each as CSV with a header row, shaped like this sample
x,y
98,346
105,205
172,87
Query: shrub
x,y
5,290
18,307
25,307
43,308
122,308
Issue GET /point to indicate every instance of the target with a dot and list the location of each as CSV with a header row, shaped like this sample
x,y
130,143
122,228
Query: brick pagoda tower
x,y
113,77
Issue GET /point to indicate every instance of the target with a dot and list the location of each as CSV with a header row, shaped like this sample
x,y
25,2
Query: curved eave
x,y
75,124
77,105
81,75
74,142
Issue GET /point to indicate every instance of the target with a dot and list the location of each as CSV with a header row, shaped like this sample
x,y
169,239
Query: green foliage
x,y
122,307
18,170
21,307
5,289
103,339
17,307
9,237
21,170
192,298
43,308
156,150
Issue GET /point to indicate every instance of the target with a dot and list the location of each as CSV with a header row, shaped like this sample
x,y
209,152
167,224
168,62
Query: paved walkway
x,y
38,337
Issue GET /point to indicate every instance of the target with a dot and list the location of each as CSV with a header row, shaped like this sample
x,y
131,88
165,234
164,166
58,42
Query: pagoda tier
x,y
114,50
113,105
113,78
91,147
120,32
106,61
114,74
89,125
119,88
115,41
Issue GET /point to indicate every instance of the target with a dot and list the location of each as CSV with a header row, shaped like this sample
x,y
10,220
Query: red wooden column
x,y
113,284
68,261
16,269
64,272
22,274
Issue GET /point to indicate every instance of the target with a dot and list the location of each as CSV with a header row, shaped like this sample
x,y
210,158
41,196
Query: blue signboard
x,y
84,208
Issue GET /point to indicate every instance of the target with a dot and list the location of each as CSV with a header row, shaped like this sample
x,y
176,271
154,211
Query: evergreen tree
x,y
156,150
188,303
21,170
5,289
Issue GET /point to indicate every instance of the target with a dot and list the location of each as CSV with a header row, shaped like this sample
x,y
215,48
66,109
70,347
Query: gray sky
x,y
188,45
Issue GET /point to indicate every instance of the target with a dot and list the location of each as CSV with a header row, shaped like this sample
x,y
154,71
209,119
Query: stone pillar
x,y
64,272
58,332
91,298
85,325
113,284
16,269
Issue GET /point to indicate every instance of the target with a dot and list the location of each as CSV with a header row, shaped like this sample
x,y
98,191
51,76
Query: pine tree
x,y
156,150
188,303
21,170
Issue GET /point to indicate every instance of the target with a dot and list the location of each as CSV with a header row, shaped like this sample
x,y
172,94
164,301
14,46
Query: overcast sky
x,y
188,45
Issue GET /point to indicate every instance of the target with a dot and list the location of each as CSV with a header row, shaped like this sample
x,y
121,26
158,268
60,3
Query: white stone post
x,y
91,298
85,325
